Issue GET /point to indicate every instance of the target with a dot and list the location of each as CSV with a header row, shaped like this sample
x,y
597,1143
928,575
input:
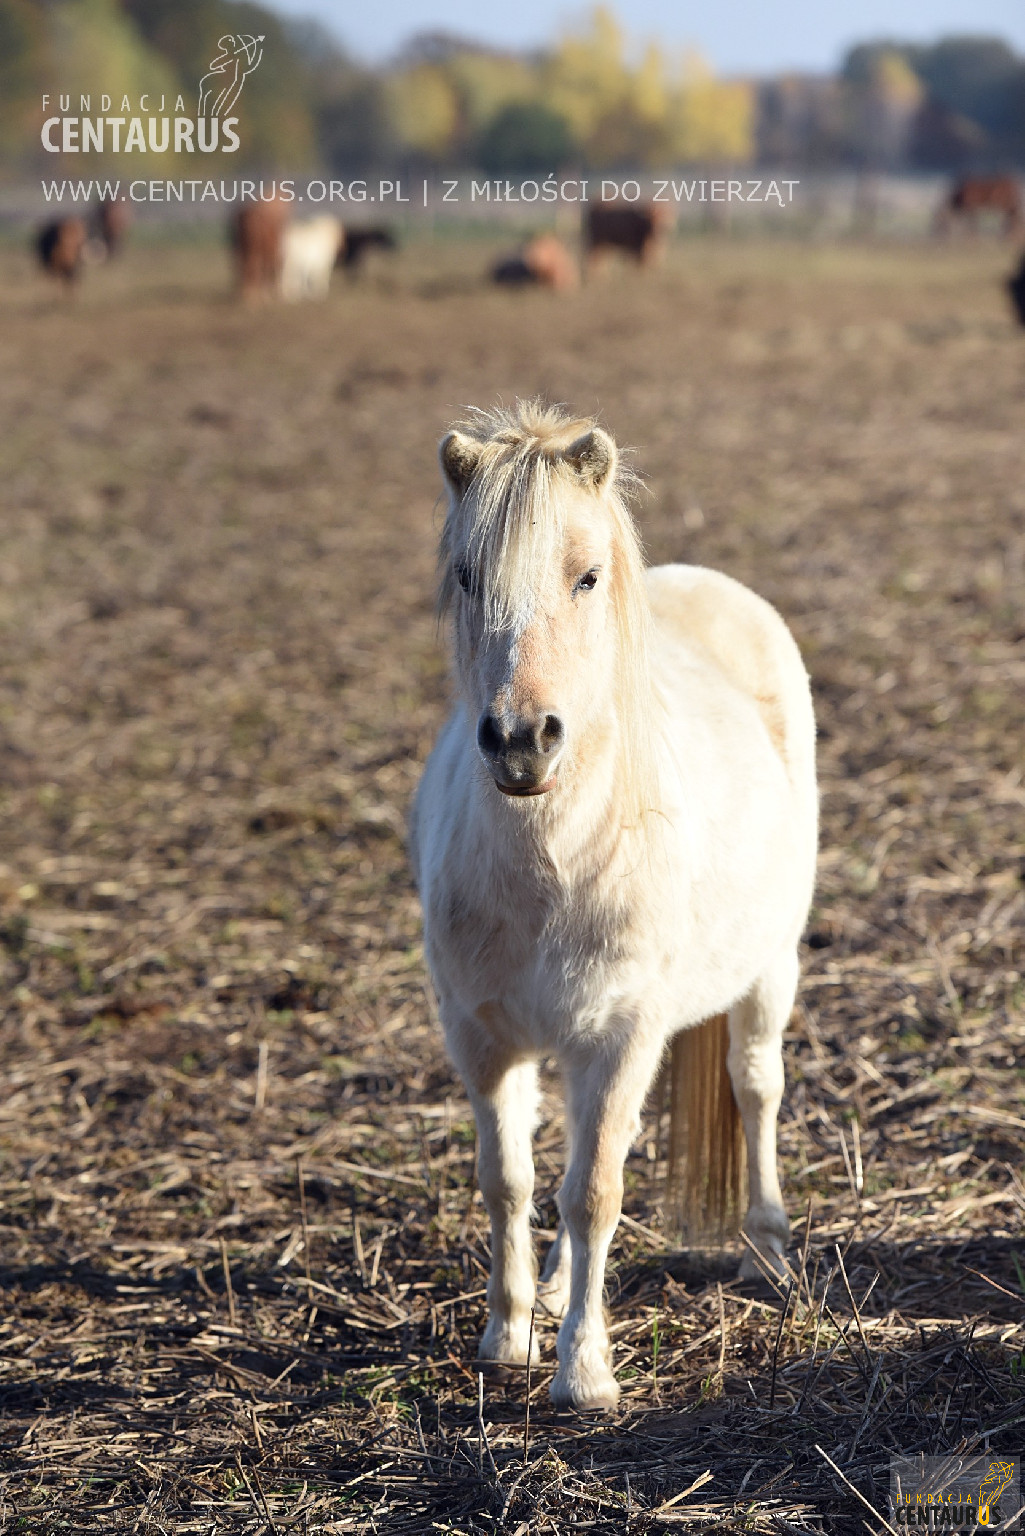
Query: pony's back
x,y
747,640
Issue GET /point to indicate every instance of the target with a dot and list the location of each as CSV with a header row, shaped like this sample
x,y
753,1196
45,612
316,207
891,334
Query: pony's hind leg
x,y
553,1287
505,1111
755,1065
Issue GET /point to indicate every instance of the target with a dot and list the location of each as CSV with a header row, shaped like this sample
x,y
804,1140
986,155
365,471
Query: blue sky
x,y
736,36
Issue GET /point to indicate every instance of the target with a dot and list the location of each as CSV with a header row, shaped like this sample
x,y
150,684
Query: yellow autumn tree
x,y
710,121
424,110
585,77
885,104
645,112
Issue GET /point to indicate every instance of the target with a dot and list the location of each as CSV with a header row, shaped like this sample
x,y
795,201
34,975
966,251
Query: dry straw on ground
x,y
243,1258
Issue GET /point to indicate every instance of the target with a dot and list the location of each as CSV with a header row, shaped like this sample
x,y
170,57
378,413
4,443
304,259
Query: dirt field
x,y
242,1254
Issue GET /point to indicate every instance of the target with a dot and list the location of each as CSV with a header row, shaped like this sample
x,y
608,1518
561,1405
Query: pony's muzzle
x,y
522,756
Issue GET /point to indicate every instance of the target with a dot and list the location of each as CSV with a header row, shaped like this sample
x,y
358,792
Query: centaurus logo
x,y
992,1486
238,55
955,1492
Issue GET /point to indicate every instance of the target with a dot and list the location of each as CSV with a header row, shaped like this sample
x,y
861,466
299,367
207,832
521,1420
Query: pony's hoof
x,y
504,1345
769,1233
496,1374
585,1389
755,1269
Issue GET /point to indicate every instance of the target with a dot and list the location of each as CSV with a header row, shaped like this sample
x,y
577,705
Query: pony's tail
x,y
707,1164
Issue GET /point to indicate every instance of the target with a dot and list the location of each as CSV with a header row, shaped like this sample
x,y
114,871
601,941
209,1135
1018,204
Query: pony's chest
x,y
554,968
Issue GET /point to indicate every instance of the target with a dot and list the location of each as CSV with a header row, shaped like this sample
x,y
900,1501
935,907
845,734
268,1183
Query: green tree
x,y
484,84
424,111
24,58
94,47
525,136
973,109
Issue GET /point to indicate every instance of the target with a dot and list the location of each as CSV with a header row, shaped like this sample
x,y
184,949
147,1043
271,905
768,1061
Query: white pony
x,y
309,253
614,840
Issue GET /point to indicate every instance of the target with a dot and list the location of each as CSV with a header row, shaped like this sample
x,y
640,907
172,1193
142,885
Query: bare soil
x,y
243,1258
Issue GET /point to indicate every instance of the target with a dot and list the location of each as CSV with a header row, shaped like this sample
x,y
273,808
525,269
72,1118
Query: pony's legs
x,y
553,1287
505,1110
755,1065
605,1094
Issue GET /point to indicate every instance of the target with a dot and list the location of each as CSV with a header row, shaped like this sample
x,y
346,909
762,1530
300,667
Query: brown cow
x,y
255,232
1016,288
60,247
637,229
982,194
543,262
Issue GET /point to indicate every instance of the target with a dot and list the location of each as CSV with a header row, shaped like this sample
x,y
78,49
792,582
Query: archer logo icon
x,y
998,1475
238,55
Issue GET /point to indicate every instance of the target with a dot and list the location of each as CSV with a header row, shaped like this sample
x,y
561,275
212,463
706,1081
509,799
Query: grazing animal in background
x,y
614,842
1016,288
309,257
639,230
982,194
359,241
111,222
256,235
543,262
60,247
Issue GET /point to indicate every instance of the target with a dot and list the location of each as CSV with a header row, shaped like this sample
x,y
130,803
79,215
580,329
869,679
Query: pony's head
x,y
541,569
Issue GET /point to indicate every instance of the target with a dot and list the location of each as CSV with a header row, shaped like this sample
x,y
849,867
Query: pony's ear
x,y
593,456
459,456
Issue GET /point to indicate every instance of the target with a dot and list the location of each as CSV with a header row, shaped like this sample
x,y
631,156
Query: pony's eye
x,y
587,582
463,575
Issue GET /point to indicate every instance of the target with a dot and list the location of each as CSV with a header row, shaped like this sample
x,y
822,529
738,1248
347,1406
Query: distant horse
x,y
309,254
256,235
1016,288
614,841
111,221
634,229
981,194
359,241
543,262
60,246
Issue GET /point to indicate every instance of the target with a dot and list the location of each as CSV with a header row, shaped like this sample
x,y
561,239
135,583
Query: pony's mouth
x,y
521,792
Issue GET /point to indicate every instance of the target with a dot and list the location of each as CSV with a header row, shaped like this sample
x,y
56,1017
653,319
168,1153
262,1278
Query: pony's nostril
x,y
552,733
489,737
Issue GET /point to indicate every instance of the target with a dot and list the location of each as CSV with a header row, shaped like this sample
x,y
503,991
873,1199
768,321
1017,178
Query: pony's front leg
x,y
755,1065
605,1091
504,1098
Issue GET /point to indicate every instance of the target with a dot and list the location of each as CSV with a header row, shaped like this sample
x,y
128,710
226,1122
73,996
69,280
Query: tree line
x,y
589,99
